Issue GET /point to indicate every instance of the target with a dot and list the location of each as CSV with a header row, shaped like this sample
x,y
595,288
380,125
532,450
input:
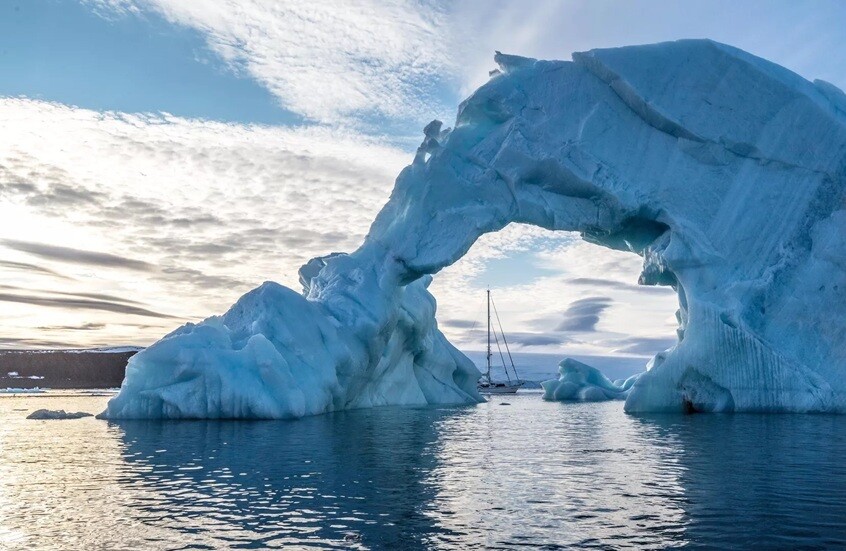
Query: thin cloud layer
x,y
81,303
83,327
328,61
583,315
641,345
390,63
596,282
76,256
26,267
182,216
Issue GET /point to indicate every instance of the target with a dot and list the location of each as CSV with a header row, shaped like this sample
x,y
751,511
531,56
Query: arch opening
x,y
558,296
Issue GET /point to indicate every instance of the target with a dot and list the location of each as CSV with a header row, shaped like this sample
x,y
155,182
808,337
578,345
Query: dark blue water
x,y
529,474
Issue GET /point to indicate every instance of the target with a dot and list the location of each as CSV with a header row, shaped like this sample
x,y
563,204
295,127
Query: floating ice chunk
x,y
579,382
57,414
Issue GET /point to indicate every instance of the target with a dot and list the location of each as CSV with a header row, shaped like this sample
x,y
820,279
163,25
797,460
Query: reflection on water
x,y
353,480
760,481
530,473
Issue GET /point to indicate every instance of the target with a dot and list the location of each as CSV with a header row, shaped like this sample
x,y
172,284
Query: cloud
x,y
81,303
203,280
14,188
619,285
83,327
27,267
76,256
385,63
646,346
14,343
537,339
178,187
62,196
96,296
458,323
202,210
327,61
583,315
599,282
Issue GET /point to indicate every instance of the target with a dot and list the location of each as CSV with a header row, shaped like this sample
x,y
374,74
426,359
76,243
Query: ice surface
x,y
57,414
579,382
724,171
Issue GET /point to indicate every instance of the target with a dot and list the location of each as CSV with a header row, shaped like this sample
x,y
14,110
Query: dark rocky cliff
x,y
63,368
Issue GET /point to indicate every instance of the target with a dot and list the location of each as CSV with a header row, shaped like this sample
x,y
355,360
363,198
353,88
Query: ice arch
x,y
724,171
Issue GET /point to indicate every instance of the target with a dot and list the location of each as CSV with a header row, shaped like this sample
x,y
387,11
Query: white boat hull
x,y
505,389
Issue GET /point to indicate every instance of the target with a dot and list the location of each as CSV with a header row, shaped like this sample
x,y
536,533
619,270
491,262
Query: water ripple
x,y
535,475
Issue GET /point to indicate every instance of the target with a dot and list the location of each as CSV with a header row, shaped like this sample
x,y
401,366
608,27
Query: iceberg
x,y
579,382
350,341
724,171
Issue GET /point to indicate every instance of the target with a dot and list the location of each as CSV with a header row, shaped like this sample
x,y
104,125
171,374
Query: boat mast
x,y
488,372
501,332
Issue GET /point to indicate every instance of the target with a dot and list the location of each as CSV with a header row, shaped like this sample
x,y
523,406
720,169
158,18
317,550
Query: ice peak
x,y
510,62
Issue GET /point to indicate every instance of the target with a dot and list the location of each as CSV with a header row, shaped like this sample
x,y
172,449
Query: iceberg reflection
x,y
349,479
496,475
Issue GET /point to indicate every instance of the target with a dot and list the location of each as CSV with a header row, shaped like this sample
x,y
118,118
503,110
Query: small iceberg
x,y
579,382
57,414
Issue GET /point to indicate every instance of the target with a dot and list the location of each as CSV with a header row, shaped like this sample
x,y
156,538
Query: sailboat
x,y
486,384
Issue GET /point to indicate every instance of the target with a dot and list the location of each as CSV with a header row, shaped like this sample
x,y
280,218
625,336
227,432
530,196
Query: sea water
x,y
516,472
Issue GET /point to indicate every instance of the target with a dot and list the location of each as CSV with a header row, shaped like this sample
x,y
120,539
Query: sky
x,y
159,158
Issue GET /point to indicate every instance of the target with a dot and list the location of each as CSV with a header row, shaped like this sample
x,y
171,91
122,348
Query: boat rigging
x,y
486,384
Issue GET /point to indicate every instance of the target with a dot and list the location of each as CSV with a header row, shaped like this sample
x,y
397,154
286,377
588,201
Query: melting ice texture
x,y
724,171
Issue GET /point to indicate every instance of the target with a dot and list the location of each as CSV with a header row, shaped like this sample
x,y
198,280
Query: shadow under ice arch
x,y
724,171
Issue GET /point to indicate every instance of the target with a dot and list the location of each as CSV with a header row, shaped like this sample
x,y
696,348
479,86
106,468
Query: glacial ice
x,y
724,171
579,382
